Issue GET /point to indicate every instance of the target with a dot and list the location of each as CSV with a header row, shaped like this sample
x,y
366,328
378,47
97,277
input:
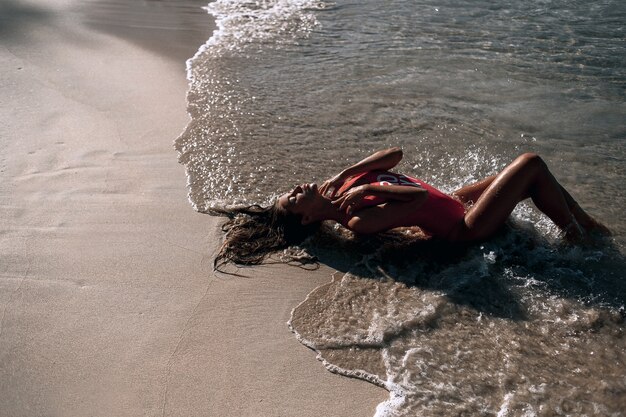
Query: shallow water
x,y
512,327
292,91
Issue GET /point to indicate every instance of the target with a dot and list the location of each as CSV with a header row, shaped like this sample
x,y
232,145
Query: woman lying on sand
x,y
368,198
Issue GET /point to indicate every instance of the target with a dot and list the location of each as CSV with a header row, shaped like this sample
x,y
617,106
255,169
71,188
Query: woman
x,y
368,198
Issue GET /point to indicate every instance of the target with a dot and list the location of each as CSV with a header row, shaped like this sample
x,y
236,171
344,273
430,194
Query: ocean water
x,y
288,91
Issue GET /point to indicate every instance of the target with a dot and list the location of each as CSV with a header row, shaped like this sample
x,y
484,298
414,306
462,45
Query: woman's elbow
x,y
361,226
396,153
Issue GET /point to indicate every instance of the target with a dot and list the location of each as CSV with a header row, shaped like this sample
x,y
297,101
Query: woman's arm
x,y
354,198
402,201
382,160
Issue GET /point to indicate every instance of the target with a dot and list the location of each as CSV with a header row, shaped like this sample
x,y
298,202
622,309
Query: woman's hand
x,y
352,200
330,187
381,160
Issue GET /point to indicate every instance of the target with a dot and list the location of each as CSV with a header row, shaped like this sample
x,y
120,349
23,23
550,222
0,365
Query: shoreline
x,y
108,305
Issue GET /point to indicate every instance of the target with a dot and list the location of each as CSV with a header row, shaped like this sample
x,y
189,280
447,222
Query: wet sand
x,y
108,304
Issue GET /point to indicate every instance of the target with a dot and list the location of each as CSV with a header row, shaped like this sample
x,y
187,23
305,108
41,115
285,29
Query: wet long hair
x,y
252,233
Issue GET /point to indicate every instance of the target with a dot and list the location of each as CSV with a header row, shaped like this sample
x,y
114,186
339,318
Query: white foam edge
x,y
504,407
396,398
219,27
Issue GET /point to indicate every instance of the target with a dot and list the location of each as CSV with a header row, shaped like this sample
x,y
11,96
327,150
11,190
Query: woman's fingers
x,y
342,202
349,201
346,204
329,191
329,188
324,187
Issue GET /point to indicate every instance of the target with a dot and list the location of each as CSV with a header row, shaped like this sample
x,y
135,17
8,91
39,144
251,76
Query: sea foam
x,y
508,339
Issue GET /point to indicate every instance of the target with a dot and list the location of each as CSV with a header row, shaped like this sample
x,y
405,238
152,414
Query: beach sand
x,y
108,302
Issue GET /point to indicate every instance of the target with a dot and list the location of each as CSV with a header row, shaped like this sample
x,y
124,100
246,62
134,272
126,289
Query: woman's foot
x,y
588,223
573,232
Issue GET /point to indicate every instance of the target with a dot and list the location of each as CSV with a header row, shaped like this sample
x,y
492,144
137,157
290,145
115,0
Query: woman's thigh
x,y
469,194
498,199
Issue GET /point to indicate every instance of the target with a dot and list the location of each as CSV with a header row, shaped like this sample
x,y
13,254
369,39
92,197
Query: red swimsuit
x,y
439,214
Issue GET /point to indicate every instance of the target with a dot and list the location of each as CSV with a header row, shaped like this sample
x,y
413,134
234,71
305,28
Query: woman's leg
x,y
584,220
527,176
470,193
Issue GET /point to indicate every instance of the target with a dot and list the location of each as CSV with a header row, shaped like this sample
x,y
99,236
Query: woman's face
x,y
300,200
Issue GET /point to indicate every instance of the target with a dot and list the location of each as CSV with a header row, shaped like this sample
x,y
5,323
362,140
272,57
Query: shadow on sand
x,y
491,277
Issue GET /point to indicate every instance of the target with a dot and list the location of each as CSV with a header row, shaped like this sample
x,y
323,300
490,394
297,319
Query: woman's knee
x,y
531,160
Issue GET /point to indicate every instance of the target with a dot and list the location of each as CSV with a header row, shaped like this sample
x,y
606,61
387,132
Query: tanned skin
x,y
489,201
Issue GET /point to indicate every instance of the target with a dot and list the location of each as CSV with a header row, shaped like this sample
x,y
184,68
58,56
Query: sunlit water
x,y
292,91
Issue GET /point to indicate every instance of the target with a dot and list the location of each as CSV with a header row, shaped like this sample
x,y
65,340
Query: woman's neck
x,y
328,211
